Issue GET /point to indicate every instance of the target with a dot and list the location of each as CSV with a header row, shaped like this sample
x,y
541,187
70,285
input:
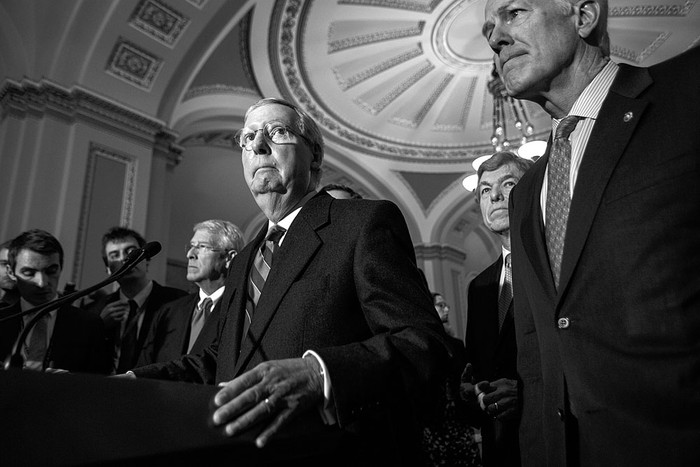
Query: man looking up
x,y
66,339
128,312
490,384
605,248
326,316
190,324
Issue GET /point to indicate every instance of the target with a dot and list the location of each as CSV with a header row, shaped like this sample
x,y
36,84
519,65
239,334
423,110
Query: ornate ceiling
x,y
399,86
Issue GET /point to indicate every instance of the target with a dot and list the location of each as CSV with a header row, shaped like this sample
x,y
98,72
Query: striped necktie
x,y
129,339
36,350
559,194
506,296
199,317
260,270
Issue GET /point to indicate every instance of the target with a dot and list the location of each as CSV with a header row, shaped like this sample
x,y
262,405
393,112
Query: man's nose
x,y
260,145
499,38
496,194
40,279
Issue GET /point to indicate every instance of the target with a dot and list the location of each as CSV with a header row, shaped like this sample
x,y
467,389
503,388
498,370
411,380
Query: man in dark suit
x,y
490,382
8,289
67,338
190,324
128,312
605,230
342,330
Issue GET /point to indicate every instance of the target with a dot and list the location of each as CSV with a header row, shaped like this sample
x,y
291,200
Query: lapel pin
x,y
628,116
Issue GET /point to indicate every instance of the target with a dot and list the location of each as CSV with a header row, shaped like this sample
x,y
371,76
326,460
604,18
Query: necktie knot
x,y
275,234
566,126
205,306
508,264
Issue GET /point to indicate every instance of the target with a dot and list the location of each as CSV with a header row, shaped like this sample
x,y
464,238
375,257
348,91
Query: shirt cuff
x,y
327,412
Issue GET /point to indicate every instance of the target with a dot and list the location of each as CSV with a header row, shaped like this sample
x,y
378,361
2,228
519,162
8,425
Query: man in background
x,y
190,324
490,382
8,288
605,236
68,338
129,311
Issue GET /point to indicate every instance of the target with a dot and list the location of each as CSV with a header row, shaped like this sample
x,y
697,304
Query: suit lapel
x,y
532,228
613,129
299,246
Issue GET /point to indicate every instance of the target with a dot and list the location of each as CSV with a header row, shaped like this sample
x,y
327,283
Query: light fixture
x,y
532,149
501,103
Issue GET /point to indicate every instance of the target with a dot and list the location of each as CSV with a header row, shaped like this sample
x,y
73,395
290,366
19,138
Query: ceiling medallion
x,y
413,117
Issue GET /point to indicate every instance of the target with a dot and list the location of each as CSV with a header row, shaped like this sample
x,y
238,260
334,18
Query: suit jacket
x,y
618,344
493,356
169,335
78,343
344,284
159,296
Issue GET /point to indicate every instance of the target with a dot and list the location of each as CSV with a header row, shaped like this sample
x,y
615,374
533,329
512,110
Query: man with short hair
x,y
68,338
8,288
605,235
128,312
326,318
490,382
190,324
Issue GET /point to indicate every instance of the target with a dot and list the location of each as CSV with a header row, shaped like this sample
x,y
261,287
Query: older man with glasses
x,y
326,320
190,324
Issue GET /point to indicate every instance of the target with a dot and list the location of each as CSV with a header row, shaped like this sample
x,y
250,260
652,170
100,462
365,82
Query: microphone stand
x,y
16,360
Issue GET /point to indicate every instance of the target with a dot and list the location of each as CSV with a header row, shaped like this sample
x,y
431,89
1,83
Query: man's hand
x,y
114,313
501,398
466,385
277,390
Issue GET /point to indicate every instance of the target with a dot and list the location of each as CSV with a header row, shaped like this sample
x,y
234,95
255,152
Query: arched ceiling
x,y
398,86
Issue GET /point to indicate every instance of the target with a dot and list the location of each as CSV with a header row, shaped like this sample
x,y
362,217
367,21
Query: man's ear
x,y
229,257
11,273
589,15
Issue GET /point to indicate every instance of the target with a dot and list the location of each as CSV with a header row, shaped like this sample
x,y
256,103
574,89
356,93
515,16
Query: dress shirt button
x,y
560,412
563,323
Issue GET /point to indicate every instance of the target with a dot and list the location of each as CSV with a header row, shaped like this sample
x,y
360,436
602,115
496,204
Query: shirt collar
x,y
287,220
214,296
589,103
140,297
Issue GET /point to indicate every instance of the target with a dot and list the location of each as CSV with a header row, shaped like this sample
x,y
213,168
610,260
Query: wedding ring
x,y
267,405
495,405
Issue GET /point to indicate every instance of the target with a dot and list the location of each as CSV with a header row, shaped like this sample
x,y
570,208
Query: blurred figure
x,y
68,338
605,230
129,311
8,288
190,324
490,337
449,440
443,311
341,191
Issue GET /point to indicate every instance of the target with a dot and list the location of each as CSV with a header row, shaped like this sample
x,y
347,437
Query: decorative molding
x,y
399,89
81,105
412,5
462,121
286,17
651,10
370,72
219,139
213,89
379,36
427,105
198,3
134,65
128,197
638,58
431,252
160,21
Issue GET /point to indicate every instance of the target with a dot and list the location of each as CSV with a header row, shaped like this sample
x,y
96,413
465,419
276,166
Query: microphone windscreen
x,y
131,257
151,249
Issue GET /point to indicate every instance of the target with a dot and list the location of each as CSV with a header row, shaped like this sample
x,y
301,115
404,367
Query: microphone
x,y
16,360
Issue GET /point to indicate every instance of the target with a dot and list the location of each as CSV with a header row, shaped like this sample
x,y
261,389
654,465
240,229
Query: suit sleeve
x,y
406,356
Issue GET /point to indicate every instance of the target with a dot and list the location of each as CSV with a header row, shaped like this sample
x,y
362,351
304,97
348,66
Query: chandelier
x,y
501,100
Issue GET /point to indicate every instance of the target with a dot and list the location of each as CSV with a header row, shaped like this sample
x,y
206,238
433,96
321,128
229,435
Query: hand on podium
x,y
275,391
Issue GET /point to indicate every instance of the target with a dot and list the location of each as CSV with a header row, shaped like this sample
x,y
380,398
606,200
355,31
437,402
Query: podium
x,y
73,419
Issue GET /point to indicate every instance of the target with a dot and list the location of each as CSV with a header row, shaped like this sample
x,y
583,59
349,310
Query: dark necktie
x,y
260,271
36,351
506,296
559,194
128,346
201,313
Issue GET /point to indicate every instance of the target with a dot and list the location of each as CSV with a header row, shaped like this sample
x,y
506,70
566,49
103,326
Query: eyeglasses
x,y
273,132
200,246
